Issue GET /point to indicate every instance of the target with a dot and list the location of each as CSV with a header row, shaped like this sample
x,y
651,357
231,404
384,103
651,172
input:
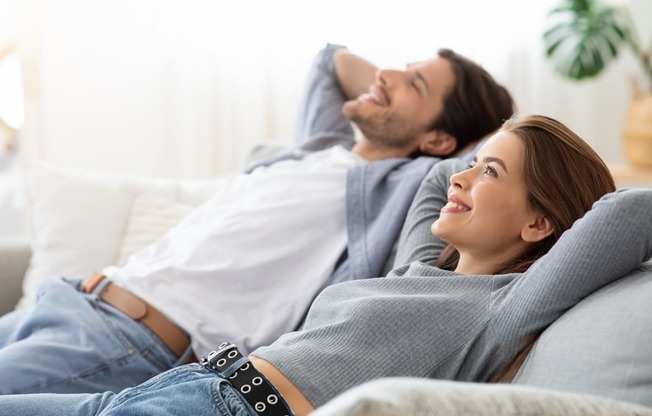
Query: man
x,y
246,265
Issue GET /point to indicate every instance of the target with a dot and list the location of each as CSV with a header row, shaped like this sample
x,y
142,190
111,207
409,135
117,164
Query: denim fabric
x,y
185,390
71,342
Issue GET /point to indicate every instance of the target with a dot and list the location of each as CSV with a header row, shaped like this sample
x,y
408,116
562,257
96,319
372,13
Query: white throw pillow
x,y
82,221
151,216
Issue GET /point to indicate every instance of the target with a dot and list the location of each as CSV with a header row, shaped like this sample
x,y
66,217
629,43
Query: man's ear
x,y
537,229
437,143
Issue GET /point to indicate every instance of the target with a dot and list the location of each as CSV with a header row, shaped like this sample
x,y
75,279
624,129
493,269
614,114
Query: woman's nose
x,y
460,180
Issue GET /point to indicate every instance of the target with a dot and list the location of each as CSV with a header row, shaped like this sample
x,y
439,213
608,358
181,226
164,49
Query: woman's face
x,y
487,216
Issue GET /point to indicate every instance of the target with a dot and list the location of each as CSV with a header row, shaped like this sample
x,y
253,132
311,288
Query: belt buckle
x,y
214,356
259,392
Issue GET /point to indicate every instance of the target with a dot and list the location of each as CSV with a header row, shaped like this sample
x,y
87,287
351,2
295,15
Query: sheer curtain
x,y
184,88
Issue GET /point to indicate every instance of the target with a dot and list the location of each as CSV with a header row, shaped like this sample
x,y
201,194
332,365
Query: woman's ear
x,y
537,229
437,143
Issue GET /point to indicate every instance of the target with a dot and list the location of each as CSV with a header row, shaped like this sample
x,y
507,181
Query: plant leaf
x,y
585,38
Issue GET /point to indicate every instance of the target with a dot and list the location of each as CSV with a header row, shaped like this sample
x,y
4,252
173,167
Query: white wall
x,y
183,88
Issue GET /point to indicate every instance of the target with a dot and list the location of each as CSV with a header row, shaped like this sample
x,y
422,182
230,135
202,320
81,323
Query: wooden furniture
x,y
627,175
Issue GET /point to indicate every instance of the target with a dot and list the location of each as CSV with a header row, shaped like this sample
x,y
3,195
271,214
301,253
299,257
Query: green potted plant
x,y
584,37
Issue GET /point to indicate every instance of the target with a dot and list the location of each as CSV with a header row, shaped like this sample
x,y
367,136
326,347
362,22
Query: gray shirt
x,y
422,321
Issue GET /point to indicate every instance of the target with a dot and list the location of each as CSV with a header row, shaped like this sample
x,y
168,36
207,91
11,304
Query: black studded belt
x,y
259,392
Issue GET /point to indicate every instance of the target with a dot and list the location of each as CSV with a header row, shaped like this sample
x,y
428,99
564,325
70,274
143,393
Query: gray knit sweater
x,y
422,321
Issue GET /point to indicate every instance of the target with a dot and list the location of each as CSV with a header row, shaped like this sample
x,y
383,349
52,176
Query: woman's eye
x,y
490,171
470,166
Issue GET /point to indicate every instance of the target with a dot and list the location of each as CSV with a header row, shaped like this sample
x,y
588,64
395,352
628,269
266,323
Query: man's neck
x,y
372,152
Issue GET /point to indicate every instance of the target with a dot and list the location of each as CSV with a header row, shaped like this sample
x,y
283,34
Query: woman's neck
x,y
466,266
474,263
486,264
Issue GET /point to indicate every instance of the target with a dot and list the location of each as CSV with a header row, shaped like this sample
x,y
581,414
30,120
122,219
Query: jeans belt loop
x,y
136,308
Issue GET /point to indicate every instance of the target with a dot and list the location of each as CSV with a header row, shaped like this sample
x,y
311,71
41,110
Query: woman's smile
x,y
455,205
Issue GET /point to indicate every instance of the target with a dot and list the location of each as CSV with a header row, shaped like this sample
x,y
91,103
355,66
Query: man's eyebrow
x,y
497,160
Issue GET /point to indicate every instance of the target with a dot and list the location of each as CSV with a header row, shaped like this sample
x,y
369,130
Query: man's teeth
x,y
455,205
375,99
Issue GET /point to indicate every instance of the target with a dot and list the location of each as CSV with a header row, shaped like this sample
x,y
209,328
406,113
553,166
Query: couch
x,y
15,253
595,360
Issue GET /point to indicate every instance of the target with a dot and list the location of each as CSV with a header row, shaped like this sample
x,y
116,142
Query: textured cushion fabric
x,y
82,221
416,397
151,216
602,346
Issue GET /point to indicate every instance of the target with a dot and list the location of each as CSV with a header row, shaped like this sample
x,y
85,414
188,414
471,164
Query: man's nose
x,y
388,77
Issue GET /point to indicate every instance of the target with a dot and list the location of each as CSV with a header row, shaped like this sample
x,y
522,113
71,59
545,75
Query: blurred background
x,y
185,88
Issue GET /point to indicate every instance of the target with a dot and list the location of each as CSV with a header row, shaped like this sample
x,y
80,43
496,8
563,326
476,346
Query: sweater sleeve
x,y
611,240
417,243
320,121
320,110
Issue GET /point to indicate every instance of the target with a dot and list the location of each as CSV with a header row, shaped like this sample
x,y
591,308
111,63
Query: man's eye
x,y
416,87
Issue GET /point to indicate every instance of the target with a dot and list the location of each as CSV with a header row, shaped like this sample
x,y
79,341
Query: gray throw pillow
x,y
602,346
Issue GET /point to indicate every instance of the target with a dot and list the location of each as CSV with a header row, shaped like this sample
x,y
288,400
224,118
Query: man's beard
x,y
386,130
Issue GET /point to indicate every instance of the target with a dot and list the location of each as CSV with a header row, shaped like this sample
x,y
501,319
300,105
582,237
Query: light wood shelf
x,y
632,176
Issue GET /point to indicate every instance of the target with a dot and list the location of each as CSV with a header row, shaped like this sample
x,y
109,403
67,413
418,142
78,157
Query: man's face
x,y
402,105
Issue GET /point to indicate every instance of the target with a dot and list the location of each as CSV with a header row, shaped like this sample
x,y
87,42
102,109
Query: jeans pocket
x,y
135,338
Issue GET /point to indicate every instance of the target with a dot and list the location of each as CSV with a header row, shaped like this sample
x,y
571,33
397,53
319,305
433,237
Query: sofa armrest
x,y
14,259
411,396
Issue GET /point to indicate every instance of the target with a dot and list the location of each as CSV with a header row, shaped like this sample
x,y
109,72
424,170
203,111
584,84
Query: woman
x,y
466,319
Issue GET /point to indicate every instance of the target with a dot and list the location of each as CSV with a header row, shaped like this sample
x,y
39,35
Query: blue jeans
x,y
71,342
186,390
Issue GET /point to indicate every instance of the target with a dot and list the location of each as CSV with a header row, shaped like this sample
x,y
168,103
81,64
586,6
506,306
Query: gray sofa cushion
x,y
415,397
15,253
602,346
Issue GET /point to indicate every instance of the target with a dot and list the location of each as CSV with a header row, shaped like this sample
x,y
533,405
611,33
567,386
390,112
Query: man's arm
x,y
320,122
417,243
320,112
335,76
354,73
